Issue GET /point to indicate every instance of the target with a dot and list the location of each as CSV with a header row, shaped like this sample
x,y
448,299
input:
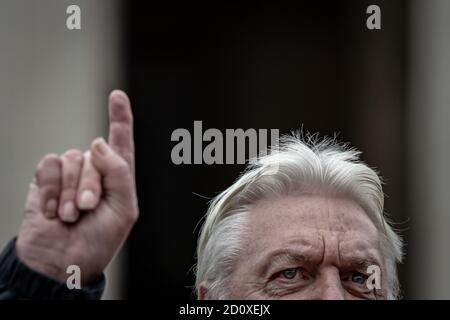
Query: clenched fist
x,y
81,206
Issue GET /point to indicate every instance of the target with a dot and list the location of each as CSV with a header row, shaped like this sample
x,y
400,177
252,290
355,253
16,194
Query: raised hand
x,y
81,206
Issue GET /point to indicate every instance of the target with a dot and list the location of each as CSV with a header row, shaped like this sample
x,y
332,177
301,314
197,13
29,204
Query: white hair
x,y
298,164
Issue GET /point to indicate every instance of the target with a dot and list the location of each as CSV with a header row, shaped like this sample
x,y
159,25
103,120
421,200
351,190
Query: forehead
x,y
311,218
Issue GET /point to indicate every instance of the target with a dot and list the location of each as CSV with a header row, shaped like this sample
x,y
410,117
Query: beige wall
x,y
429,145
53,89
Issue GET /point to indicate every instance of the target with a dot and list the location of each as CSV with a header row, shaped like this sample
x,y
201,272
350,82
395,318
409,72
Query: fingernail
x,y
87,200
100,146
68,213
50,208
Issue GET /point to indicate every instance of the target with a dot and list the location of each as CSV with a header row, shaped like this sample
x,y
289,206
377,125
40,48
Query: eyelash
x,y
358,289
300,271
288,286
279,286
349,275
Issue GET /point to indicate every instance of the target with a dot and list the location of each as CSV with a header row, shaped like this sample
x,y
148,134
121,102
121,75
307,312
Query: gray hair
x,y
300,164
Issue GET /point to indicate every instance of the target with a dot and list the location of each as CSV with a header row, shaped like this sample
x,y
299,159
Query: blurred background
x,y
262,65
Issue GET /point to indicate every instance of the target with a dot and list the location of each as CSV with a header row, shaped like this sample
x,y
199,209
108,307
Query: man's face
x,y
308,247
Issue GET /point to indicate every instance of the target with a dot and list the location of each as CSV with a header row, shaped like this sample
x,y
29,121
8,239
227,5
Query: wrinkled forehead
x,y
316,218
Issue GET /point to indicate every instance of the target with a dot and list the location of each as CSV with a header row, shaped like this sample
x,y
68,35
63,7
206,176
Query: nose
x,y
331,286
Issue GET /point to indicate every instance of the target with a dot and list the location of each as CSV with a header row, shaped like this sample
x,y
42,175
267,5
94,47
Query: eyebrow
x,y
361,257
280,257
360,262
289,256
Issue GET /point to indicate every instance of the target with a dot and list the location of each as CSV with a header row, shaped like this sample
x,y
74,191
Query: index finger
x,y
121,126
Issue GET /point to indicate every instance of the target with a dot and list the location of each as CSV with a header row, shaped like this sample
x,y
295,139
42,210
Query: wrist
x,y
33,259
22,282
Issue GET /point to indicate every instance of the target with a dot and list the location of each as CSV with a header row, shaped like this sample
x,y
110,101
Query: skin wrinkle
x,y
324,248
338,250
334,234
287,256
323,173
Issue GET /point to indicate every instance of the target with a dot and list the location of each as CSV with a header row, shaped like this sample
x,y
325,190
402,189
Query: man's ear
x,y
202,291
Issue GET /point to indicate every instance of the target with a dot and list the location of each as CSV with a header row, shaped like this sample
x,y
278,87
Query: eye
x,y
289,273
359,277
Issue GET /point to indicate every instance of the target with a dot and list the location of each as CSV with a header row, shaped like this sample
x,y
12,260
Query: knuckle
x,y
91,184
89,180
49,166
51,157
50,192
67,194
73,155
121,167
48,160
89,172
129,157
70,178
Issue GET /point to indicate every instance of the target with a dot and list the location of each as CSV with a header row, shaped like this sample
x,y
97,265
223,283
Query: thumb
x,y
117,178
